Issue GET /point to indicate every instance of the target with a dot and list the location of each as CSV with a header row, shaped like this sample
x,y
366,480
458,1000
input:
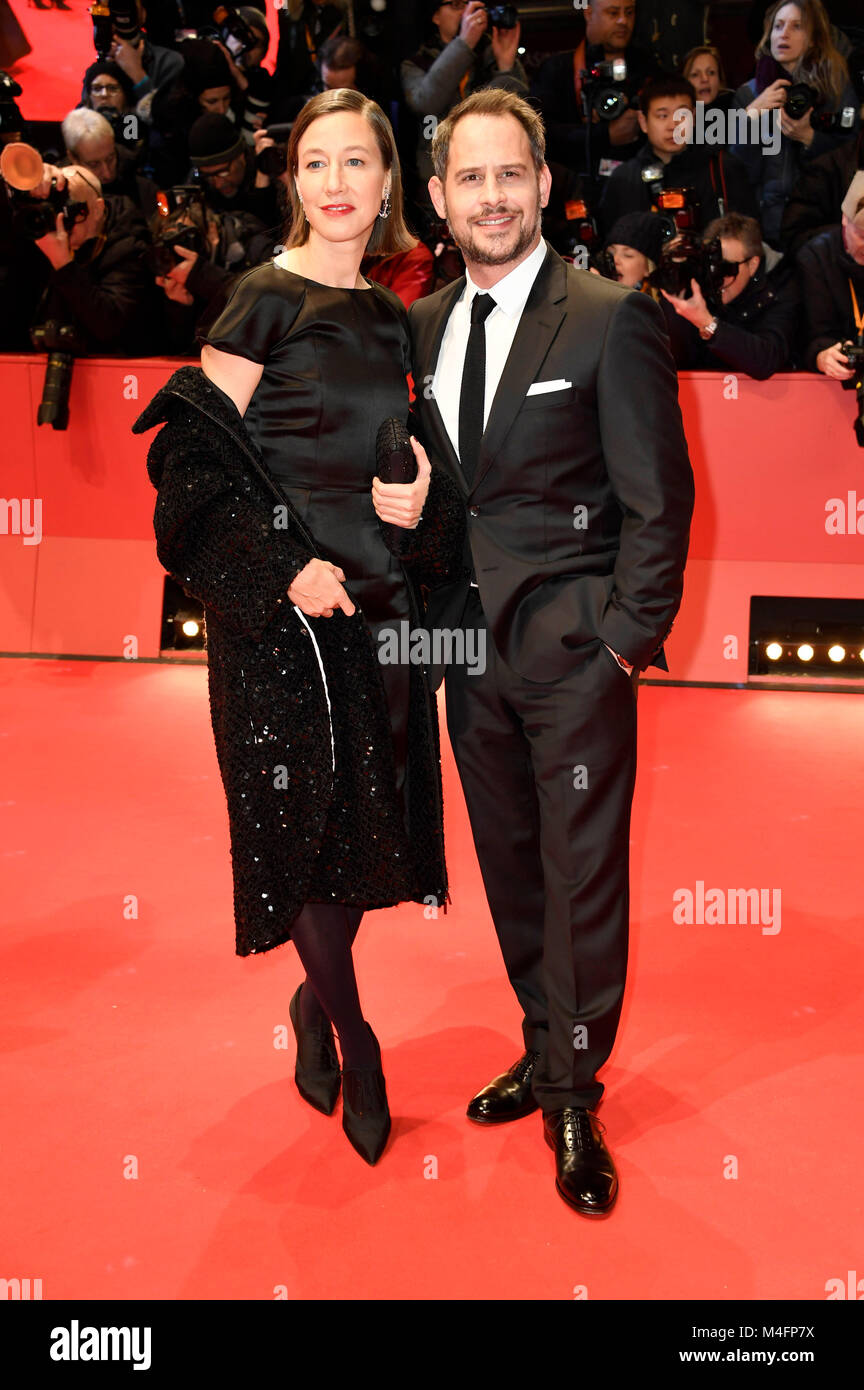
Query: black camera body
x,y
854,354
114,19
173,203
800,96
502,16
34,218
10,115
686,257
605,88
234,32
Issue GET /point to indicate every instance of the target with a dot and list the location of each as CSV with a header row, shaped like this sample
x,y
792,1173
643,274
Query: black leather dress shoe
x,y
316,1072
586,1176
509,1096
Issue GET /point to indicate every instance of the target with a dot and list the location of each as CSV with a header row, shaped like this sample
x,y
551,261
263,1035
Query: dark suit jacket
x,y
610,441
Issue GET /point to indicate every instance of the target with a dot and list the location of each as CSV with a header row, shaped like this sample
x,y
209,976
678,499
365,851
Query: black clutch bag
x,y
395,464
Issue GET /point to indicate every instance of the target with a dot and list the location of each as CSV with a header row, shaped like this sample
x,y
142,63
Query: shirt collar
x,y
511,292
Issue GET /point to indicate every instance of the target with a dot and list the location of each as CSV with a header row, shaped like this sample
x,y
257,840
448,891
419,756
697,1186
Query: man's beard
x,y
480,256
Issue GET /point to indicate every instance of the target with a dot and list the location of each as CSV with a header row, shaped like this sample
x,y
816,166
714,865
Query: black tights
x,y
323,934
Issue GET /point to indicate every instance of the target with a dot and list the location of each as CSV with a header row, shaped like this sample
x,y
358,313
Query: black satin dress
x,y
335,362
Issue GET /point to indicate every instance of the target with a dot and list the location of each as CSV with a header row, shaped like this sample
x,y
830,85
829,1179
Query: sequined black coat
x,y
299,830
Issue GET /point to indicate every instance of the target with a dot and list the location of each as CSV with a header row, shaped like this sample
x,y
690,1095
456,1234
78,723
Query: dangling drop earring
x,y
385,206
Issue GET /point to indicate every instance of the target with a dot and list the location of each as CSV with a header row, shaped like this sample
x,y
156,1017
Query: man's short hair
x,y
659,87
490,101
341,52
84,124
743,229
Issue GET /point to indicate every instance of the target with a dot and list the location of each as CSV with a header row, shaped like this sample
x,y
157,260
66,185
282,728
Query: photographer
x,y
148,66
254,86
204,86
634,245
718,180
108,90
755,326
459,58
197,276
799,67
558,88
92,276
342,62
831,267
304,25
814,203
89,140
225,164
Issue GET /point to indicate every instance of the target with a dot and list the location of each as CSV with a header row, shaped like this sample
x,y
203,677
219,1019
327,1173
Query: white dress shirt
x,y
510,295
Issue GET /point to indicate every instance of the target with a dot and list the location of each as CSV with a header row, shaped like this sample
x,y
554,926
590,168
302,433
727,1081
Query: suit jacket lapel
x,y
541,318
427,347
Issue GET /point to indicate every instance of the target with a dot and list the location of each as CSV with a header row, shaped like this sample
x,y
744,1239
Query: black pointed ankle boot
x,y
316,1070
365,1112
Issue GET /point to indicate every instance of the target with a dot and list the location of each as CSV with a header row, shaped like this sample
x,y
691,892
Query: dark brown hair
x,y
389,234
490,101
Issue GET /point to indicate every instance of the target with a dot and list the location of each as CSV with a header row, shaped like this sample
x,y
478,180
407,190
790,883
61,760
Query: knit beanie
x,y
214,140
106,67
205,65
644,231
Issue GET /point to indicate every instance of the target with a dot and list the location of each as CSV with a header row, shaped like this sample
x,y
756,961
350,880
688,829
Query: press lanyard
x,y
859,318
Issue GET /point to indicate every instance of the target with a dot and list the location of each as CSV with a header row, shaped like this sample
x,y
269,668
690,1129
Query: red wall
x,y
767,457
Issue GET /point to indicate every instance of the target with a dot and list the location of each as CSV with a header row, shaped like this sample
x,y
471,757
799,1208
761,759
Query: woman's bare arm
x,y
236,376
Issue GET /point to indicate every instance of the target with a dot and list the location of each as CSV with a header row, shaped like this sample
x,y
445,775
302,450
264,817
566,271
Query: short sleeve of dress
x,y
258,315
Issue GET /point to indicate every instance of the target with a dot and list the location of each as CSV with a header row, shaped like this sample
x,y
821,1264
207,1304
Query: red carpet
x,y
143,1042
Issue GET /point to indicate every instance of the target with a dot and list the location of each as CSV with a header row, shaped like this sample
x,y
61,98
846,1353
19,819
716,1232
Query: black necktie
x,y
472,401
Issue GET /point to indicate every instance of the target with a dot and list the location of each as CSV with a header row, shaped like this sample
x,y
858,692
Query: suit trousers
x,y
548,772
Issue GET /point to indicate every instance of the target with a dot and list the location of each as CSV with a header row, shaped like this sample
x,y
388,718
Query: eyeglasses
x,y
215,174
108,89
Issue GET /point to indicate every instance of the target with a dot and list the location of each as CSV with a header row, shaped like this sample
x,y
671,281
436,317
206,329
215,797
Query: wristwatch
x,y
709,330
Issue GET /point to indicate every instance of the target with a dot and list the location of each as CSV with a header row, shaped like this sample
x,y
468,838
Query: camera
x,y
273,161
854,354
181,222
60,341
10,116
604,261
234,32
685,258
799,98
22,168
502,16
114,19
605,88
834,122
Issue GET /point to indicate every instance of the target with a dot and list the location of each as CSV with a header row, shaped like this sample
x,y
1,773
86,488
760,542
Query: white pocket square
x,y
539,388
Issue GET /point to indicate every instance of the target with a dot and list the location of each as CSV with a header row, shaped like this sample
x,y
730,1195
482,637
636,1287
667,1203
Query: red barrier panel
x,y
779,489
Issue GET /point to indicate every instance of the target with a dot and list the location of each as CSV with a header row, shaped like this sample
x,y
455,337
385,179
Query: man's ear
x,y
545,181
436,193
643,125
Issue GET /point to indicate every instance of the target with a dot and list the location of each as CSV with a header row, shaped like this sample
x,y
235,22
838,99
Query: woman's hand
x,y
800,129
775,95
317,590
401,504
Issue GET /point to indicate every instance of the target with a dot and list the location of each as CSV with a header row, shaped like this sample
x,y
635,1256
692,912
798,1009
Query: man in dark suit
x,y
550,397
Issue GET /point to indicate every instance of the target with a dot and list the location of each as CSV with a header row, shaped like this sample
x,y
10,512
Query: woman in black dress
x,y
314,359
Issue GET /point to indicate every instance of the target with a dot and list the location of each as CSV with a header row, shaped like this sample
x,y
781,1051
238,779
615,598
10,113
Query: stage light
x,y
805,652
773,651
191,628
837,653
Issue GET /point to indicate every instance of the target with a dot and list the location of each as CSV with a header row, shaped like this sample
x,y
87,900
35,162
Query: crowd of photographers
x,y
741,212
